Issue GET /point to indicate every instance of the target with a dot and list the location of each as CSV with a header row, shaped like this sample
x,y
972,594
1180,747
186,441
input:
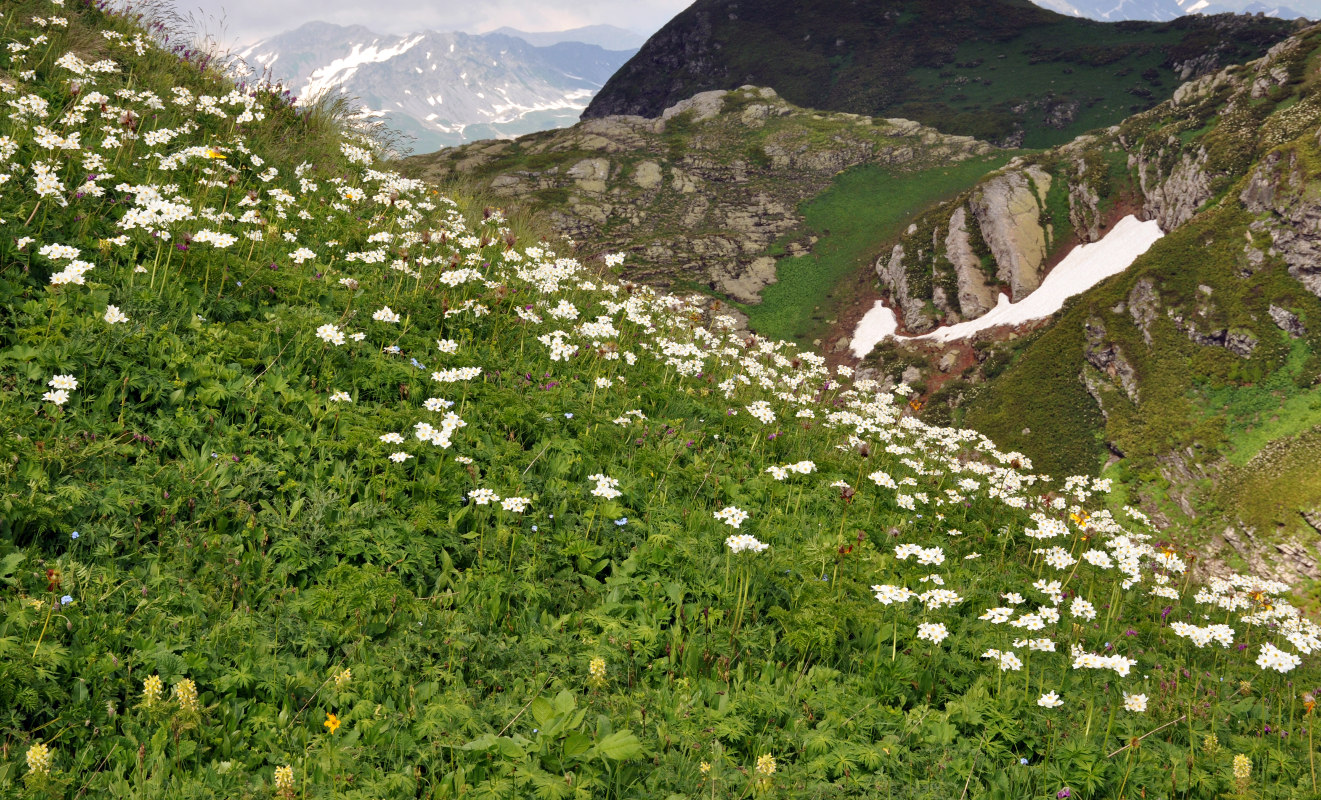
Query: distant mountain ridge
x,y
1005,71
1166,10
443,88
607,36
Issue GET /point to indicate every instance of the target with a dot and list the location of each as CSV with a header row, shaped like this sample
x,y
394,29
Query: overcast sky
x,y
245,21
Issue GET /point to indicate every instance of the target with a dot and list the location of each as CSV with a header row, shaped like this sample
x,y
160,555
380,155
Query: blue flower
x,y
73,535
1023,761
65,600
622,521
568,416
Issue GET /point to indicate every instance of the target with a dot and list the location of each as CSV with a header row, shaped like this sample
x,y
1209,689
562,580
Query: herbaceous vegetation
x,y
317,483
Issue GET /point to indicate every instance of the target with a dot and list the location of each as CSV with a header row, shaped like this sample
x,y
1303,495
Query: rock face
x,y
1008,211
977,295
700,192
1109,359
1172,194
1280,189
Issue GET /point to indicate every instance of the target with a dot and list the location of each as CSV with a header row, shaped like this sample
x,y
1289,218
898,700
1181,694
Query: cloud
x,y
238,22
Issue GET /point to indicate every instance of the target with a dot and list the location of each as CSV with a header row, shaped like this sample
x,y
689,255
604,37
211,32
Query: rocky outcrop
x,y
1143,304
1172,192
1008,211
976,294
1109,359
894,275
1239,342
1084,205
1290,200
1287,321
700,192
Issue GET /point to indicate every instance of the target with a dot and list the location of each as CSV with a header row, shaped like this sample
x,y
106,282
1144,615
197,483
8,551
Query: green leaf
x,y
620,746
543,712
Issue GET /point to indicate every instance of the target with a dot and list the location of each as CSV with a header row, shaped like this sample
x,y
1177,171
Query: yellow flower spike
x,y
332,722
39,758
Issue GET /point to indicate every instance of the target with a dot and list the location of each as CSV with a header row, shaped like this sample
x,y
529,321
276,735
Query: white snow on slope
x,y
341,69
1084,267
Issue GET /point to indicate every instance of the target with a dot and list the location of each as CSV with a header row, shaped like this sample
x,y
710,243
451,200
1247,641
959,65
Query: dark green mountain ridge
x,y
1005,71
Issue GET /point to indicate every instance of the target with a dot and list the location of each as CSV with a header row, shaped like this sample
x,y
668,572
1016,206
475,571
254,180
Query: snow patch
x,y
1084,267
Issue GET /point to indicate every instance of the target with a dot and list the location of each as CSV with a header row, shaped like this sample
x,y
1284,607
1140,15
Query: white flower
x,y
935,632
1050,700
447,345
892,594
732,516
1271,657
1135,702
437,404
392,438
340,397
385,314
59,397
605,486
742,541
113,315
63,382
515,504
483,496
399,457
330,334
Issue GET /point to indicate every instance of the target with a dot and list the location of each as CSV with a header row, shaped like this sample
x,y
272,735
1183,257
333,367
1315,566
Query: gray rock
x,y
1109,358
976,294
1288,321
1143,303
1008,211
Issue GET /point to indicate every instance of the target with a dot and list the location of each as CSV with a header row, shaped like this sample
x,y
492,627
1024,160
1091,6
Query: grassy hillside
x,y
1005,71
316,483
864,209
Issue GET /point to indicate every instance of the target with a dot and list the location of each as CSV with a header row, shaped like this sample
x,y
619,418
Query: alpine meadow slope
x,y
316,483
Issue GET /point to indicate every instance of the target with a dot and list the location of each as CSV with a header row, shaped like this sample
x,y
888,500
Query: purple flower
x,y
1063,793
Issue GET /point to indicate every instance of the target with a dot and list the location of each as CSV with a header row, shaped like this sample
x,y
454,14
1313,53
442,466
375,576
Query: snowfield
x,y
1084,267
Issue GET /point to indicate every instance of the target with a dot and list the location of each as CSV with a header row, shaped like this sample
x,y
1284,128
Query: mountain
x,y
1005,71
710,193
1198,365
441,88
1165,10
606,36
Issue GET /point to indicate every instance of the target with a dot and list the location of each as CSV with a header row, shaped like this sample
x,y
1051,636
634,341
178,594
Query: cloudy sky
x,y
245,21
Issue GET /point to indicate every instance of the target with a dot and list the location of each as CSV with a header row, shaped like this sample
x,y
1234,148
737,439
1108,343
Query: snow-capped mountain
x,y
442,88
1165,10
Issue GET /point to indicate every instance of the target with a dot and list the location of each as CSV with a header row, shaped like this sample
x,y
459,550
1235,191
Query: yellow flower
x,y
342,679
284,779
39,758
766,764
596,672
1242,767
185,691
332,722
153,689
211,152
704,767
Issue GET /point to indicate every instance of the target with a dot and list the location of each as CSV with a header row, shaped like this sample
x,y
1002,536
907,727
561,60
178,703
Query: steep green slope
x,y
316,484
1005,71
1198,367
